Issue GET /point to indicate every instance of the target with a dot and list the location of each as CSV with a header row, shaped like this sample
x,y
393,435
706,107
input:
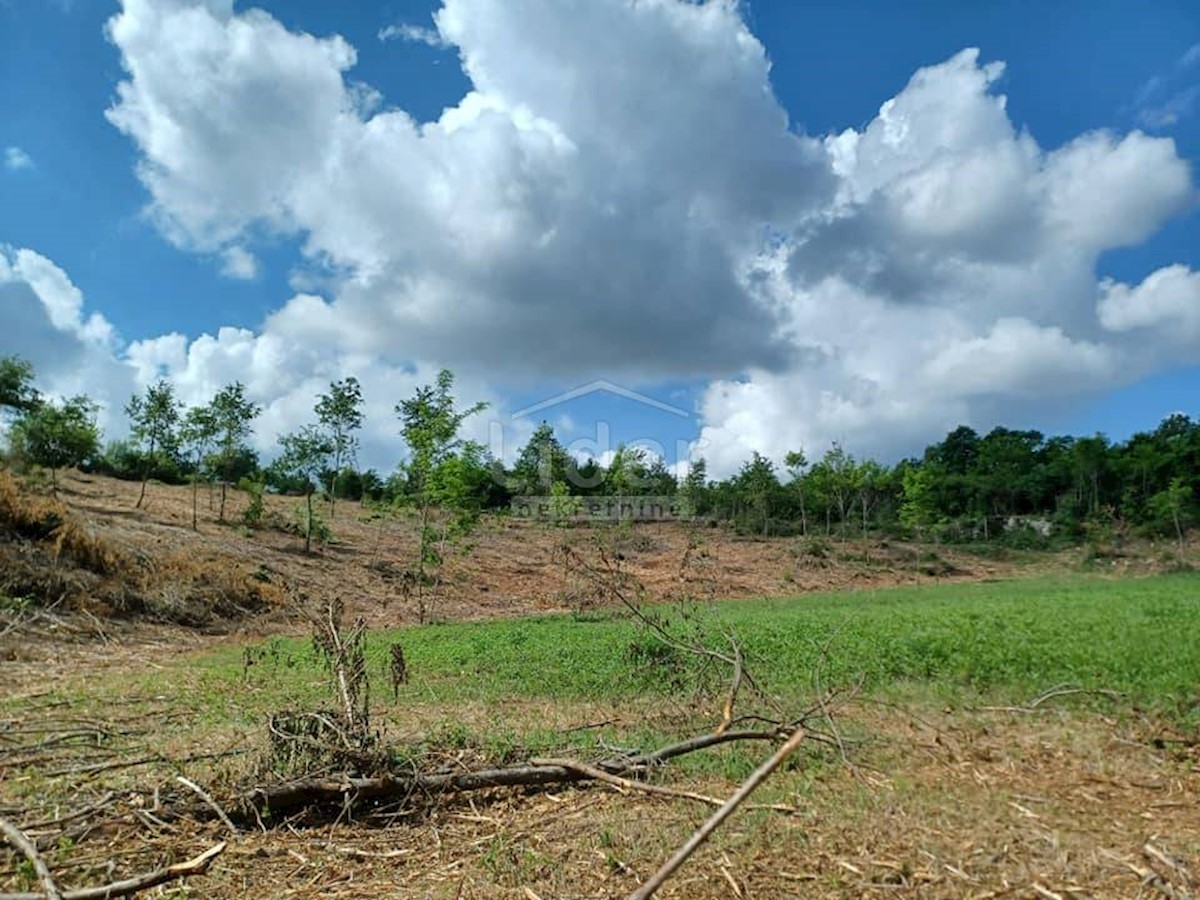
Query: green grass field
x,y
1007,641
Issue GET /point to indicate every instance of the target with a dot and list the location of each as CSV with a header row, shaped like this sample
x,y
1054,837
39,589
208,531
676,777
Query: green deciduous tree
x,y
340,413
836,474
198,436
437,470
233,416
1171,504
541,464
55,435
696,492
625,471
918,510
306,455
796,462
757,487
154,421
16,384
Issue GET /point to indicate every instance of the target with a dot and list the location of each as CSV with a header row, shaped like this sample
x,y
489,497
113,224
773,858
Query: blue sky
x,y
584,226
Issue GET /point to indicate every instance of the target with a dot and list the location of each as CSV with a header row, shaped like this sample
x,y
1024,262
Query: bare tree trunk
x,y
421,611
195,502
337,466
308,525
145,475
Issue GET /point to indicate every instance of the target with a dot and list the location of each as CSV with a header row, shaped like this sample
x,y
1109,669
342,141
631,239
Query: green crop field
x,y
1005,640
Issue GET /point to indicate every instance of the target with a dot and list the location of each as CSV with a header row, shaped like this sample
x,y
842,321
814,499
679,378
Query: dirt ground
x,y
510,567
981,803
976,803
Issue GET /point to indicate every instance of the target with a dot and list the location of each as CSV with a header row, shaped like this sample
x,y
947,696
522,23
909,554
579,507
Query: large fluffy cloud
x,y
621,194
1163,310
583,207
955,278
44,322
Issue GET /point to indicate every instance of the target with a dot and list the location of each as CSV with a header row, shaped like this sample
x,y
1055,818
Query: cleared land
x,y
961,775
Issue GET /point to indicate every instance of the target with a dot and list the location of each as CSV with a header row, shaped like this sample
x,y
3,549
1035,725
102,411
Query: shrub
x,y
252,515
315,527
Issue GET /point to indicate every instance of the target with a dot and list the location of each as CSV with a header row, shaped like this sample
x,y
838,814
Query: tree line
x,y
1007,484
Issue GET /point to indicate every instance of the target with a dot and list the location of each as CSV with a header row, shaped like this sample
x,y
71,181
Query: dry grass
x,y
54,560
512,568
963,804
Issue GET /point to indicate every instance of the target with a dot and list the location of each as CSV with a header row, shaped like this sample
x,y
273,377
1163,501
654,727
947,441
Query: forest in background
x,y
1016,486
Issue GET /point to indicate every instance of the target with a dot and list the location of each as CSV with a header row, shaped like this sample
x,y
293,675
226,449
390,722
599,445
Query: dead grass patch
x,y
53,559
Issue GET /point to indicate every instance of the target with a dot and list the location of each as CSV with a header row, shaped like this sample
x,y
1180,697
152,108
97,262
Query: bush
x,y
321,533
123,460
252,515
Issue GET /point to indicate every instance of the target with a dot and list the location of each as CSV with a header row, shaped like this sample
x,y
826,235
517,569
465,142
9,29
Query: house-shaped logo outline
x,y
600,385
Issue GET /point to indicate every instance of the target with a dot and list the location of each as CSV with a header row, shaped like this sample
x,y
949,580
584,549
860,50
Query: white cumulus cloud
x,y
412,34
16,159
44,322
239,263
620,194
1165,308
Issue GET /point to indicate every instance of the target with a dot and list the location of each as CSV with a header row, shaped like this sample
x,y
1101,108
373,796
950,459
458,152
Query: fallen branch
x,y
1062,690
1172,865
1150,878
595,774
129,886
213,805
21,841
691,745
346,790
702,834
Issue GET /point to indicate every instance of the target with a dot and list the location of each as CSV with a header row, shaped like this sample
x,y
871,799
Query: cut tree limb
x,y
207,798
705,831
21,841
288,796
595,774
196,866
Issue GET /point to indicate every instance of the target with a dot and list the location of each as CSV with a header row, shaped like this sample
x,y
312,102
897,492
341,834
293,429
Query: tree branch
x,y
702,834
195,866
21,841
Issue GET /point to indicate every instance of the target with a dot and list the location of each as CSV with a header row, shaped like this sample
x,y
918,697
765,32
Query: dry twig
x,y
702,834
21,841
195,866
596,774
207,798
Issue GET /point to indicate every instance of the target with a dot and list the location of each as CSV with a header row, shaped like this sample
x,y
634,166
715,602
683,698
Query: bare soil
x,y
507,567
